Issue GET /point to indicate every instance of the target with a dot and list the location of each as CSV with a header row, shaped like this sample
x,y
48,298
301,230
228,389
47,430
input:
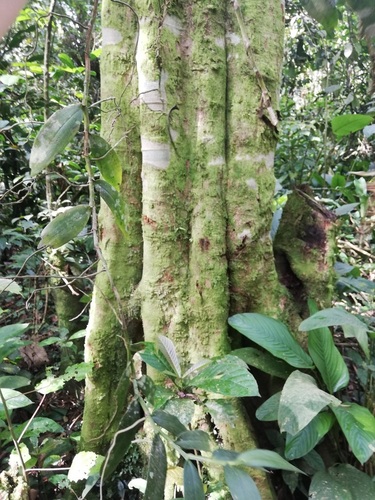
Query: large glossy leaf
x,y
114,201
327,357
157,471
156,360
240,484
346,124
169,422
304,441
265,459
11,331
358,425
14,399
194,440
352,326
263,361
54,136
193,487
301,400
228,376
273,336
107,160
342,482
13,381
168,349
65,226
269,410
122,440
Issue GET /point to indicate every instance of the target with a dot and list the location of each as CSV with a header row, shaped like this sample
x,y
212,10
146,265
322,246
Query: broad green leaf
x,y
11,346
123,438
240,484
193,487
327,357
83,464
157,471
7,285
156,360
35,427
346,124
114,201
228,376
65,226
168,349
194,440
273,336
269,410
300,401
263,361
54,136
14,399
265,459
182,408
358,425
169,422
352,326
323,11
107,160
302,443
342,482
13,381
67,60
11,331
50,384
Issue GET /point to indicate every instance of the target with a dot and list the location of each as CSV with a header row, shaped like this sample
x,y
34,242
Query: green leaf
x,y
342,482
65,226
194,440
7,285
263,361
50,384
346,124
157,471
352,326
240,484
327,357
13,381
14,399
300,401
193,487
304,441
169,422
168,349
265,459
54,136
156,360
67,60
107,160
358,425
11,331
11,346
123,438
228,376
323,11
273,336
269,410
114,201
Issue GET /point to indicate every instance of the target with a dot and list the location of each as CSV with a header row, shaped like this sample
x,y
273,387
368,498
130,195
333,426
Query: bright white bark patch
x,y
110,36
246,233
252,183
155,154
217,161
267,159
173,24
220,42
234,38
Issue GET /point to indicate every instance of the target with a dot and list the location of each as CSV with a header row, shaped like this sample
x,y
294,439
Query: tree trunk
x,y
192,96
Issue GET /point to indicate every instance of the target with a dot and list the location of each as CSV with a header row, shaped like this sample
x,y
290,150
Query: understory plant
x,y
312,405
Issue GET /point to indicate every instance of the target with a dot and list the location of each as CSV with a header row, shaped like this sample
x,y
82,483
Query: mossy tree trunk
x,y
190,99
